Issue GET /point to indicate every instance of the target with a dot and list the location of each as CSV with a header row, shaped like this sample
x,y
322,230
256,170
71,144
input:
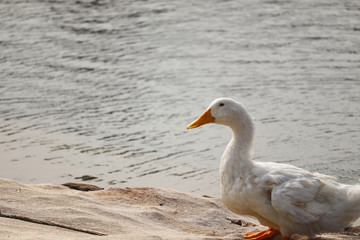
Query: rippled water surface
x,y
106,88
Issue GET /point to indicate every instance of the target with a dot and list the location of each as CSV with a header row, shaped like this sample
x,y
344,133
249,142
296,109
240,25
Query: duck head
x,y
224,111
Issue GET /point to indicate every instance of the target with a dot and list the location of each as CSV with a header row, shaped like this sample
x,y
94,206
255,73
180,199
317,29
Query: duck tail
x,y
353,195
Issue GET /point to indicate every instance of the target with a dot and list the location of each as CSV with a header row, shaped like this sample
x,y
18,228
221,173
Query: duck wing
x,y
300,200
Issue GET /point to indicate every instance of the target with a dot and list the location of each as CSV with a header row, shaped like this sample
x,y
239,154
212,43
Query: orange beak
x,y
203,119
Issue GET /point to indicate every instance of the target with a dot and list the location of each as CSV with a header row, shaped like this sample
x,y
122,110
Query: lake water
x,y
105,88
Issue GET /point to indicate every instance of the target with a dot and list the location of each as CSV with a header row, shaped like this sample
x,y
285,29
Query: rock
x,y
58,212
82,187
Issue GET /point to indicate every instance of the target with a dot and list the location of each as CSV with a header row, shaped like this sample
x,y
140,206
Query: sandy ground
x,y
58,212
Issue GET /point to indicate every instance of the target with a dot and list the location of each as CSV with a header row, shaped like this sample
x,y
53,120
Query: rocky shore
x,y
75,211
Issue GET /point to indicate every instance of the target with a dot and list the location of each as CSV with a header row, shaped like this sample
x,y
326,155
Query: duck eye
x,y
221,104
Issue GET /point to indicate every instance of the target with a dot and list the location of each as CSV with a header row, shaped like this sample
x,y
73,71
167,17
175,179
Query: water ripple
x,y
106,88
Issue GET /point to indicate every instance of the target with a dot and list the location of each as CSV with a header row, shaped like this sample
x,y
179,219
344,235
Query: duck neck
x,y
237,158
242,140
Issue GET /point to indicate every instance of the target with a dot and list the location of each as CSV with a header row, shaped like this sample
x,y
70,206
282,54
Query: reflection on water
x,y
106,88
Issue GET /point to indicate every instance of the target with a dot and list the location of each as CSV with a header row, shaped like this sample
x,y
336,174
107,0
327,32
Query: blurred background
x,y
101,91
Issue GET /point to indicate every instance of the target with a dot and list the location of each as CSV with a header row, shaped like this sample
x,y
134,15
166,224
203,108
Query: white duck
x,y
285,198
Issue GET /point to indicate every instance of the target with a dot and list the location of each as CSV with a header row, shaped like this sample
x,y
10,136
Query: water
x,y
107,88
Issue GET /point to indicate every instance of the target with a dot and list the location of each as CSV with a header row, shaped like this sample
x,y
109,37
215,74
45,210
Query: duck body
x,y
283,197
315,203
